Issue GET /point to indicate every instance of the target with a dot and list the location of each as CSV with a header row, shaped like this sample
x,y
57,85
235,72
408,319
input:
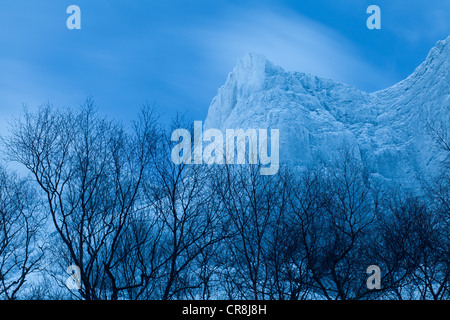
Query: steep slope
x,y
316,116
402,143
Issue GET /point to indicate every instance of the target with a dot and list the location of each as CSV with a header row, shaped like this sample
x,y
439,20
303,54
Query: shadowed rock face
x,y
316,116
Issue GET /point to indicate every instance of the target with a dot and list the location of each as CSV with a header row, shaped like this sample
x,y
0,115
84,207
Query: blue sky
x,y
176,54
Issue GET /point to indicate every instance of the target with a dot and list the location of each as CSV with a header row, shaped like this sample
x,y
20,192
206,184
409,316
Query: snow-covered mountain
x,y
316,116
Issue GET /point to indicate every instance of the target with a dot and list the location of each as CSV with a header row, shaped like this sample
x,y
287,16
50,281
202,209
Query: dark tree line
x,y
108,199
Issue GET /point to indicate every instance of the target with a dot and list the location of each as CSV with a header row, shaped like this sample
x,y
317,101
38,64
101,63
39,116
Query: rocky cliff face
x,y
316,116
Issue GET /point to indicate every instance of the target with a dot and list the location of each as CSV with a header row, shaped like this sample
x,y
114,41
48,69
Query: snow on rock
x,y
316,116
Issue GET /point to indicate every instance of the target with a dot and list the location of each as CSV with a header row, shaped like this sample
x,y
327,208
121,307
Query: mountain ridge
x,y
317,116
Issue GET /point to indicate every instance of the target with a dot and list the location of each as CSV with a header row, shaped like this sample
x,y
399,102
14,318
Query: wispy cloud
x,y
292,41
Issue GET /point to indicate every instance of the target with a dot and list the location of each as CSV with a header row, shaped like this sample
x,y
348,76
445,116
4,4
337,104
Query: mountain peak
x,y
254,66
252,60
441,50
444,43
438,55
249,76
431,74
316,116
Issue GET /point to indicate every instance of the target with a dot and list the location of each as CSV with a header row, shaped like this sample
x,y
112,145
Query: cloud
x,y
292,41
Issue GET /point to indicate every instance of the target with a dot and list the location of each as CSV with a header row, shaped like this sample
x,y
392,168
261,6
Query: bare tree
x,y
91,171
21,250
349,220
254,204
332,214
410,249
139,226
182,198
306,226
